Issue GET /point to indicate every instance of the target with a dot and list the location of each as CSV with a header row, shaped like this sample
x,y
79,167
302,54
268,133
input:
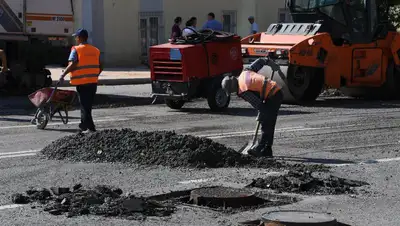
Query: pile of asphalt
x,y
305,183
164,148
331,93
100,200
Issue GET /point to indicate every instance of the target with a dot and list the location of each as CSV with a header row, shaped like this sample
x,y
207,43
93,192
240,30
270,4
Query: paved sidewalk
x,y
110,76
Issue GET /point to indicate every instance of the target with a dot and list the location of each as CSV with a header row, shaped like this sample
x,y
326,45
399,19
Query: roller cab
x,y
348,45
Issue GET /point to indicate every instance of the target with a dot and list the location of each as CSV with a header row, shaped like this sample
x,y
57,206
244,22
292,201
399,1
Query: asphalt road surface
x,y
359,139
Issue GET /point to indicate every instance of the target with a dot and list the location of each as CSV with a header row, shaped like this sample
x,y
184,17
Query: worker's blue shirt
x,y
214,25
73,56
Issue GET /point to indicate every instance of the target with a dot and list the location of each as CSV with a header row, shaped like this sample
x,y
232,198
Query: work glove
x,y
258,64
274,66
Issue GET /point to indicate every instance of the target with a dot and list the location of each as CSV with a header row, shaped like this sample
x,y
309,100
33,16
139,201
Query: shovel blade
x,y
250,145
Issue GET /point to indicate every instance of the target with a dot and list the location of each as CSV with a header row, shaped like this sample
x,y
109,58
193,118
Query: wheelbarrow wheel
x,y
42,119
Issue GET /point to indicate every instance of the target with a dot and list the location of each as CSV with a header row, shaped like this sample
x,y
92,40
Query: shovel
x,y
253,143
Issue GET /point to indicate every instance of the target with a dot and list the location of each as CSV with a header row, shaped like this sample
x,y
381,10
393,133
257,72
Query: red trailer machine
x,y
194,68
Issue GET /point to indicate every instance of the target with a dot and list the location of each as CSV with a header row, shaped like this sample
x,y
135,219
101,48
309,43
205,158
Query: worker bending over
x,y
249,86
84,69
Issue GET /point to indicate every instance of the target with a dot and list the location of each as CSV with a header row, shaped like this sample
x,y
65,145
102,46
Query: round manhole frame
x,y
299,218
242,198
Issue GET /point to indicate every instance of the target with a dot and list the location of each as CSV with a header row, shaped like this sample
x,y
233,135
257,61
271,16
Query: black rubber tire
x,y
213,95
174,104
46,118
310,91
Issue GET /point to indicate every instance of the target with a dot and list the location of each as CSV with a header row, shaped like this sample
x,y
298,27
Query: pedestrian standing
x,y
176,30
84,68
190,27
249,86
212,23
254,26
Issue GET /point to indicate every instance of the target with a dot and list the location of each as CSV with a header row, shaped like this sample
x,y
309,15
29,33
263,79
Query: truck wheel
x,y
174,104
217,99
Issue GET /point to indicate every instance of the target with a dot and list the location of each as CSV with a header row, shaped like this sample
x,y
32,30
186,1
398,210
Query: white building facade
x,y
125,29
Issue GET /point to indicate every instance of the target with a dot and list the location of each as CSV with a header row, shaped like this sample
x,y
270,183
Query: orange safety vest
x,y
88,68
251,81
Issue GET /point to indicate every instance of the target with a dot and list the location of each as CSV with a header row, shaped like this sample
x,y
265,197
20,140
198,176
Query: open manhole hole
x,y
224,199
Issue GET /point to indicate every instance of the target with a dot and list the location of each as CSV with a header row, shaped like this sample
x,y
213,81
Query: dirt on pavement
x,y
305,183
157,148
100,200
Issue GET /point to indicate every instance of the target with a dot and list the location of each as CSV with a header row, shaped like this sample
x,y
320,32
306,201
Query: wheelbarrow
x,y
50,101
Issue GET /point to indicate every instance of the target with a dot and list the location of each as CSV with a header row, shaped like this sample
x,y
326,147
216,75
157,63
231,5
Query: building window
x,y
229,21
151,30
284,16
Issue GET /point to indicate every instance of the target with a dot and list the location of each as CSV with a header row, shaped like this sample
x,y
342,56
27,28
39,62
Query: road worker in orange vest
x,y
84,69
250,86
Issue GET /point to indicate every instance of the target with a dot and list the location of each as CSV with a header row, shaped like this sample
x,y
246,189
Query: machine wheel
x,y
42,119
305,83
174,104
217,99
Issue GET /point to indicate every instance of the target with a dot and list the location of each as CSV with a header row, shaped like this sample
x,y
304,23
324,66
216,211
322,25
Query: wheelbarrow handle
x,y
53,92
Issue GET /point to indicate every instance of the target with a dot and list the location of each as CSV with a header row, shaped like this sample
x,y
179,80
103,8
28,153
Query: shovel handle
x,y
256,132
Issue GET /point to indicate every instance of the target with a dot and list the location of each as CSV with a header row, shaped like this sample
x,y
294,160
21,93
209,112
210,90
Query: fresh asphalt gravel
x,y
359,139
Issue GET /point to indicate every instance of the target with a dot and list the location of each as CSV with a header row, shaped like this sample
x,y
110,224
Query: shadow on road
x,y
238,111
27,113
15,120
259,222
316,160
355,103
111,101
69,117
63,130
22,106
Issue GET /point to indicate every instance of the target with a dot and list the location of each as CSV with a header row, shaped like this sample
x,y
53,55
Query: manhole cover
x,y
299,218
224,197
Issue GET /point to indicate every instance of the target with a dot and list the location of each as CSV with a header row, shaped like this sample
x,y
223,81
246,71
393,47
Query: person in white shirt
x,y
190,26
254,26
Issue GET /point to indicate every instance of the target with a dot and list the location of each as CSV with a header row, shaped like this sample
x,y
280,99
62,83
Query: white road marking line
x,y
196,181
285,129
331,148
210,136
272,173
12,206
371,161
18,152
241,132
388,159
248,133
15,156
109,119
289,129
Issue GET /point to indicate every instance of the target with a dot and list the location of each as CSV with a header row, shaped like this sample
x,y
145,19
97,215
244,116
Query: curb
x,y
113,82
